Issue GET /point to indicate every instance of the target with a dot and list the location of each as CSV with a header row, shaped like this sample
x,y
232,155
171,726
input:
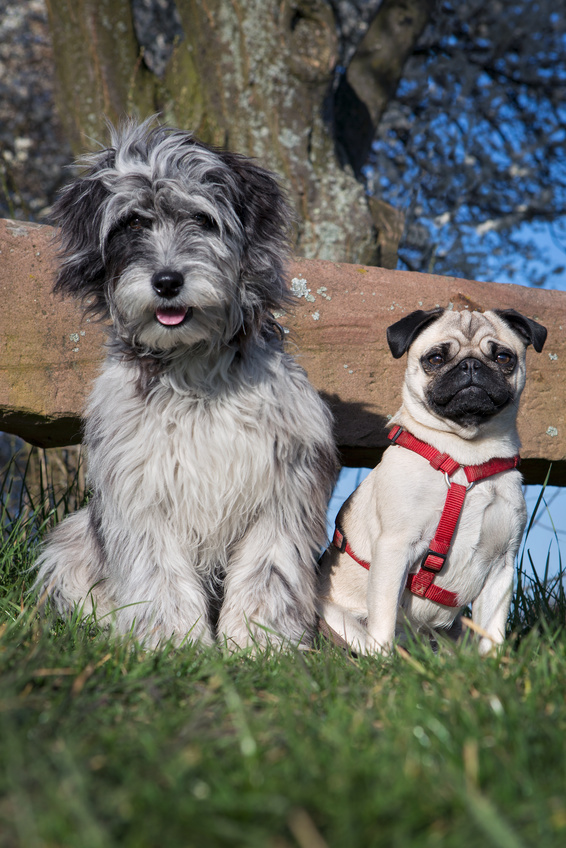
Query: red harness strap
x,y
422,583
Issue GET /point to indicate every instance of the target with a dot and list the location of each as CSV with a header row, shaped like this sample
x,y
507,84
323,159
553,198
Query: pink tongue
x,y
170,317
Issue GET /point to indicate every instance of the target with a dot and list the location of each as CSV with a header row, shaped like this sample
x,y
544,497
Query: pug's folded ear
x,y
530,331
402,334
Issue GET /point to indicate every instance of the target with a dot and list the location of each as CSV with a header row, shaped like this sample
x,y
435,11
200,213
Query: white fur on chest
x,y
407,512
489,528
184,457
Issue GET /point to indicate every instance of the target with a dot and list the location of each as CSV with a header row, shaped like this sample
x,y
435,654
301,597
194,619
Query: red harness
x,y
422,583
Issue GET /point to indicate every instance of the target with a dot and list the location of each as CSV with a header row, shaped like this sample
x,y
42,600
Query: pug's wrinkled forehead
x,y
466,333
468,329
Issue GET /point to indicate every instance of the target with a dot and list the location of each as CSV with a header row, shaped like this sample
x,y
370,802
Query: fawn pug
x,y
437,525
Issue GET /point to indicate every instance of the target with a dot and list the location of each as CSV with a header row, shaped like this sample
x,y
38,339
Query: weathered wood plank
x,y
49,354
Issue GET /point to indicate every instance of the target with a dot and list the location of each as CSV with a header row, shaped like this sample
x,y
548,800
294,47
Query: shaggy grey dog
x,y
210,456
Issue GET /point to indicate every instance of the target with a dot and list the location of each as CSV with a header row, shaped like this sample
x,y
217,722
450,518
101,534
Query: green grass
x,y
102,744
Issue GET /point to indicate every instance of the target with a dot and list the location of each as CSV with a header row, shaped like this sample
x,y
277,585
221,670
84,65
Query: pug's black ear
x,y
402,334
530,331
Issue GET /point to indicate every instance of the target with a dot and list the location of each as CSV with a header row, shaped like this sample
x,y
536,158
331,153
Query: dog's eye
x,y
504,358
203,220
136,222
435,359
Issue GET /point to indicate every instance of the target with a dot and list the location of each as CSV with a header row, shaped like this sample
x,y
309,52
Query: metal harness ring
x,y
449,482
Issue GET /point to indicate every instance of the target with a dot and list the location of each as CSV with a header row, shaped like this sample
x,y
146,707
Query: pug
x,y
437,525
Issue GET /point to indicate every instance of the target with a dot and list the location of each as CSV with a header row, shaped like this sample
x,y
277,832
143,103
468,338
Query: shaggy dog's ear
x,y
77,211
266,218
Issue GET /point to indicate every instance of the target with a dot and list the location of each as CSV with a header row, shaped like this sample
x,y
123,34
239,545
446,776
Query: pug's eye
x,y
136,222
435,359
504,357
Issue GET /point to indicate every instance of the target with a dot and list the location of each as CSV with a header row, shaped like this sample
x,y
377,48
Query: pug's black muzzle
x,y
469,392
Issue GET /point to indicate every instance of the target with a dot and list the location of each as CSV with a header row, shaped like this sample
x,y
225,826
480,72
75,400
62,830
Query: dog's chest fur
x,y
204,462
409,518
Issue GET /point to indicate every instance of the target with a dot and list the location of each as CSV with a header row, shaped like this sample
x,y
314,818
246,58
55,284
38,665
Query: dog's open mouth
x,y
172,316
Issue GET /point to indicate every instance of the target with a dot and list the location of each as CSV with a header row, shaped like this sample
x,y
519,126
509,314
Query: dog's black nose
x,y
167,283
470,365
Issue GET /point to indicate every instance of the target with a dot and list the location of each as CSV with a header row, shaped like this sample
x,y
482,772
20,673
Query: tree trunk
x,y
256,76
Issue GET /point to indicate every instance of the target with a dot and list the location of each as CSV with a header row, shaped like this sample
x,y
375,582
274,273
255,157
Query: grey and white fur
x,y
210,456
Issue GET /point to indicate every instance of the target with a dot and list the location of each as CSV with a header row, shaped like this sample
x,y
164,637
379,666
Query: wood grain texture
x,y
49,354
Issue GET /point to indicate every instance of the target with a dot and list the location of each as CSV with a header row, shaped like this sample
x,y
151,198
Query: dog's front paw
x,y
489,647
380,650
158,634
255,637
353,630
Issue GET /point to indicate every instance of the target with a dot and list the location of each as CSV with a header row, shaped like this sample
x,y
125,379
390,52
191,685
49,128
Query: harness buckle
x,y
430,552
339,540
394,434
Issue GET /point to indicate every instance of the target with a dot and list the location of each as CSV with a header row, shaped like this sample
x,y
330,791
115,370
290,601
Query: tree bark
x,y
374,73
256,76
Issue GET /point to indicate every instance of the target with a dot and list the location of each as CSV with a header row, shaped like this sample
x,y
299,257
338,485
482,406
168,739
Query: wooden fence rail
x,y
49,354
